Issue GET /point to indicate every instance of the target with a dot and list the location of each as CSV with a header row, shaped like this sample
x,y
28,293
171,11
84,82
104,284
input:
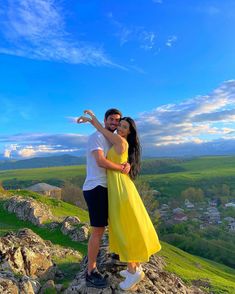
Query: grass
x,y
69,266
189,268
197,172
43,174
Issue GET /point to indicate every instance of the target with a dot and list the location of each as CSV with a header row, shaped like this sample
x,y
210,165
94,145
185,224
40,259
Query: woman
x,y
131,232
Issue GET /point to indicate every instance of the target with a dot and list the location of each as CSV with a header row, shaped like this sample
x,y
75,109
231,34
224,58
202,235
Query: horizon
x,y
168,65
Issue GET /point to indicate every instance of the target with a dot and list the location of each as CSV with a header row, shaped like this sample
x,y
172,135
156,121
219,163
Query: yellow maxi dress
x,y
131,232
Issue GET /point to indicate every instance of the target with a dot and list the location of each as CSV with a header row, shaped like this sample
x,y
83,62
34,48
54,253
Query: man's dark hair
x,y
112,111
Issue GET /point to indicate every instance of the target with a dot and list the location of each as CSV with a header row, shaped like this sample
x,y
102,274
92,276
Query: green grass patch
x,y
42,174
189,268
69,266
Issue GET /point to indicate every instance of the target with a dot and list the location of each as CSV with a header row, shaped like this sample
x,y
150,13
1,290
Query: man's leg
x,y
93,246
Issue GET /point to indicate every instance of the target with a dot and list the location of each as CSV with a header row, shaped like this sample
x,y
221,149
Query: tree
x,y
193,194
73,194
149,200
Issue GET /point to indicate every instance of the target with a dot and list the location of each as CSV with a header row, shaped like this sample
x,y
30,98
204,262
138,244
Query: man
x,y
96,195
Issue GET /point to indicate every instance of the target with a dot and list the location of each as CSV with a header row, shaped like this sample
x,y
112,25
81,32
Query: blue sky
x,y
168,64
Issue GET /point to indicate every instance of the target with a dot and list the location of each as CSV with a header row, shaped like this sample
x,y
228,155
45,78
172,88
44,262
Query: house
x,y
230,204
188,204
46,189
178,210
180,217
164,206
213,215
229,219
155,192
232,227
213,202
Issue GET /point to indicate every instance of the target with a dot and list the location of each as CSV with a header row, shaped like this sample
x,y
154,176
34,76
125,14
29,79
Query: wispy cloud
x,y
171,40
197,120
36,29
146,39
12,110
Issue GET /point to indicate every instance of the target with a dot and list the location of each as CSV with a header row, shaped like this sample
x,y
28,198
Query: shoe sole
x,y
91,285
124,276
140,279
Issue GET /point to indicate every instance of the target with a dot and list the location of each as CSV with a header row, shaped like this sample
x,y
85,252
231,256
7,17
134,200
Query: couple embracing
x,y
113,162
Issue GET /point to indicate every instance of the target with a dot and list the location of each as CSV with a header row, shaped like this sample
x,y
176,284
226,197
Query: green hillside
x,y
200,172
217,277
22,178
62,160
170,177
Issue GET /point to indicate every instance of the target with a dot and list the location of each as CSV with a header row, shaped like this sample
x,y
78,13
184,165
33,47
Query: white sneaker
x,y
124,273
131,280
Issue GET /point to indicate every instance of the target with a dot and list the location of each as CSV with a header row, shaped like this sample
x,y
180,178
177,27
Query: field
x,y
200,172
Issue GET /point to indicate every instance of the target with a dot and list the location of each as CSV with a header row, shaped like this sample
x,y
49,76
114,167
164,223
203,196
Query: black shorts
x,y
97,203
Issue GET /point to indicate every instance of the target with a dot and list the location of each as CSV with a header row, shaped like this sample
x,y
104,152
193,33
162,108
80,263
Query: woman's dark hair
x,y
134,148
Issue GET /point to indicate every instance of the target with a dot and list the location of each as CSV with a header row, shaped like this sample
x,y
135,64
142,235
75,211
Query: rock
x,y
25,258
26,287
156,281
29,209
34,283
77,231
59,287
8,284
25,253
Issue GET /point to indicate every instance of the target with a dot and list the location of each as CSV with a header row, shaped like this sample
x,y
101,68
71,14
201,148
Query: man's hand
x,y
127,168
83,119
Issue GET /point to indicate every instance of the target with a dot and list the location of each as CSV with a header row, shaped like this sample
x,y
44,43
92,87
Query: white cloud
x,y
146,39
36,29
197,120
171,40
38,144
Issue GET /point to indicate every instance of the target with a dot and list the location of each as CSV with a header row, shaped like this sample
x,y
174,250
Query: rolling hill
x,y
37,162
215,278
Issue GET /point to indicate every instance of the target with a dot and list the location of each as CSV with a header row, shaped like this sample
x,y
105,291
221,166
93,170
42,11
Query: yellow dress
x,y
131,232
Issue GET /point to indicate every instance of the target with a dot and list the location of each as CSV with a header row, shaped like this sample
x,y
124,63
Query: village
x,y
205,214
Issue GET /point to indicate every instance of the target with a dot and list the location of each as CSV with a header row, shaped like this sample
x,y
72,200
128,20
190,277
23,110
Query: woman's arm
x,y
102,161
115,139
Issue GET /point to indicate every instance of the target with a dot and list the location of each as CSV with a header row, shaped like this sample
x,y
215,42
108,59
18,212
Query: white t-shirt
x,y
95,175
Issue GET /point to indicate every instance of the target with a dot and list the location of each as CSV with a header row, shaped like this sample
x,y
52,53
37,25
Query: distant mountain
x,y
37,162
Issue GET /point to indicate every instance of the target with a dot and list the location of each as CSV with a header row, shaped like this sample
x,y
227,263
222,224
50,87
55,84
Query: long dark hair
x,y
134,148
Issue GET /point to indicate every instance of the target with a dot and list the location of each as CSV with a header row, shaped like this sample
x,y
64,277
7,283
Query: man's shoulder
x,y
97,135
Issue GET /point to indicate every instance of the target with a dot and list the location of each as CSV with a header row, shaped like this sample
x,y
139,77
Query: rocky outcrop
x,y
38,213
156,281
75,229
29,209
25,253
25,258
